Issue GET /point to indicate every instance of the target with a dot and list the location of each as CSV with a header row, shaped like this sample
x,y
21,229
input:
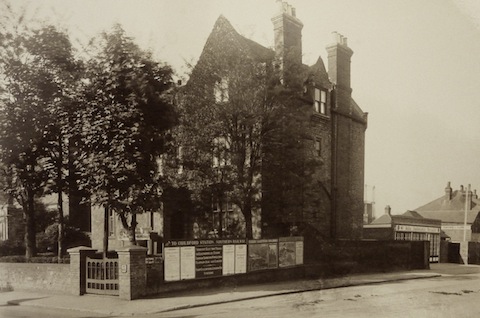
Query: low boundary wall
x,y
31,276
339,259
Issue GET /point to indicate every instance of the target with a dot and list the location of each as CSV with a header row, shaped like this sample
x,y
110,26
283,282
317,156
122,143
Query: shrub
x,y
12,247
51,259
47,241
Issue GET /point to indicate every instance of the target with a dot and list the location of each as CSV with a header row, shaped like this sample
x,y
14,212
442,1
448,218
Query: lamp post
x,y
467,197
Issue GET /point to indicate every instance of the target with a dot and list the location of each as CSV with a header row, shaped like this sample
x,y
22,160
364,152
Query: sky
x,y
415,70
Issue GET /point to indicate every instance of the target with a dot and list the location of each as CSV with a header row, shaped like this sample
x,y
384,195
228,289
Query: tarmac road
x,y
456,293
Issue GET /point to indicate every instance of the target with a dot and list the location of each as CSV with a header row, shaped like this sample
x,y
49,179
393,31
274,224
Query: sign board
x,y
208,261
228,265
190,259
141,234
187,261
240,258
418,229
172,263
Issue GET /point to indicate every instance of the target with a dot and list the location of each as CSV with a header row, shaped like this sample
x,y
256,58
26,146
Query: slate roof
x,y
450,211
406,217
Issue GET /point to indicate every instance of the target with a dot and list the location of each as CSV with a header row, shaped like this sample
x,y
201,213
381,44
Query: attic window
x,y
220,91
320,101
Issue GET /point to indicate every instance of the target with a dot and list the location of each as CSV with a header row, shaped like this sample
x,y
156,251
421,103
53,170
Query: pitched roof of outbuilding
x,y
451,211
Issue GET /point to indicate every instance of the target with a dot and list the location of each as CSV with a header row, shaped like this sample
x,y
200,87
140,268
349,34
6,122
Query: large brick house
x,y
331,204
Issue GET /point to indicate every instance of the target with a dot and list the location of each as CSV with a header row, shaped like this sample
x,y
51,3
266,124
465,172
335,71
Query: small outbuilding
x,y
409,226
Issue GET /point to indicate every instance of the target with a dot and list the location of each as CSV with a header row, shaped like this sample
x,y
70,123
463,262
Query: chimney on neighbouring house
x,y
468,198
339,60
288,36
448,192
388,210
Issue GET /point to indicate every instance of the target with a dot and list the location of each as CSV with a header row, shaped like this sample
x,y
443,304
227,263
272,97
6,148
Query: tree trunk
x,y
60,199
30,239
247,214
106,230
220,218
133,227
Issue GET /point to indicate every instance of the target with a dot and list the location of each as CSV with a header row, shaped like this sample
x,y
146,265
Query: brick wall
x,y
28,276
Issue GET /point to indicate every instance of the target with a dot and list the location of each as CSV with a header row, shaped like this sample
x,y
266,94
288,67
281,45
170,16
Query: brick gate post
x,y
132,272
78,270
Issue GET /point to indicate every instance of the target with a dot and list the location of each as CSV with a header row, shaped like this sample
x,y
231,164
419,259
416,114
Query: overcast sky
x,y
415,70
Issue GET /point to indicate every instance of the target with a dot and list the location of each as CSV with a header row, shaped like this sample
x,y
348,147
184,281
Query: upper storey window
x,y
220,90
320,101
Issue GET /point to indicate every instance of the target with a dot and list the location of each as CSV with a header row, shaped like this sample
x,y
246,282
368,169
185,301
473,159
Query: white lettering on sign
x,y
455,227
419,229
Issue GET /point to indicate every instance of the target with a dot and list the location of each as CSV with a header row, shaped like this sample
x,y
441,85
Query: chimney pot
x,y
448,191
388,210
461,187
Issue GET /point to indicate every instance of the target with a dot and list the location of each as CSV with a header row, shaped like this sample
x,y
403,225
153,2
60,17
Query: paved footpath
x,y
111,305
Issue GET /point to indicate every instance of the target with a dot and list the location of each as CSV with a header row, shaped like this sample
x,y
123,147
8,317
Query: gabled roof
x,y
227,36
384,219
318,73
451,216
408,217
451,211
456,203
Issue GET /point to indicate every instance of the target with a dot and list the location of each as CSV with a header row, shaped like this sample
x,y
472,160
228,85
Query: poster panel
x,y
208,261
273,255
187,262
228,259
240,258
172,264
262,254
299,252
286,254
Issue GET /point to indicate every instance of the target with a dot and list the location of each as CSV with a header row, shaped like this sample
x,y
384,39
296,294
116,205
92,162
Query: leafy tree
x,y
38,93
238,96
224,137
123,127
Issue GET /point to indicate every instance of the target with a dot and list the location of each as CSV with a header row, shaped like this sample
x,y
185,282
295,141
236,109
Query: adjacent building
x,y
410,226
458,211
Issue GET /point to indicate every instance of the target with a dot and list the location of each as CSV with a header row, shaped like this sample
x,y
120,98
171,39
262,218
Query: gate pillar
x,y
132,272
78,272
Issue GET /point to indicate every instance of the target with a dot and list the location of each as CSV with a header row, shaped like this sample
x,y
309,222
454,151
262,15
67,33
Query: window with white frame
x,y
226,210
220,90
221,146
320,101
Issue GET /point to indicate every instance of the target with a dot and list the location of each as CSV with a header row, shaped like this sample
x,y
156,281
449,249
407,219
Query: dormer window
x,y
220,90
320,101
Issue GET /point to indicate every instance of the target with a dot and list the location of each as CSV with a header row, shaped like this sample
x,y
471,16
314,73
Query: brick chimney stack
x,y
388,210
448,192
468,197
339,58
288,37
